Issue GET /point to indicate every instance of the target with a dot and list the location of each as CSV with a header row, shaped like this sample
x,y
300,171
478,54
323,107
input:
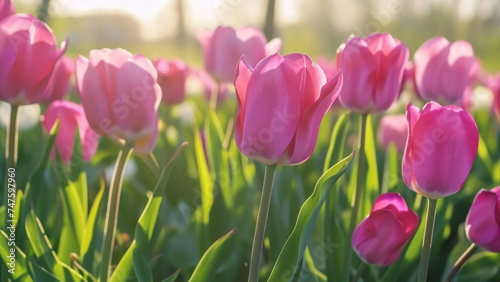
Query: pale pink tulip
x,y
6,8
172,77
393,129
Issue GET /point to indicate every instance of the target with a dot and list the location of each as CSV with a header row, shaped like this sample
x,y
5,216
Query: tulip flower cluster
x,y
275,111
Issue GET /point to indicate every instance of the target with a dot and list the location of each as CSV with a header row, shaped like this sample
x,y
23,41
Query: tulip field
x,y
381,164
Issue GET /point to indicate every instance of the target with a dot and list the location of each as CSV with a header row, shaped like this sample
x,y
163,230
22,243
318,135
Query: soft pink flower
x,y
6,8
493,82
121,96
172,77
328,66
393,129
71,116
483,221
381,236
63,72
29,54
374,69
280,106
441,147
223,48
445,71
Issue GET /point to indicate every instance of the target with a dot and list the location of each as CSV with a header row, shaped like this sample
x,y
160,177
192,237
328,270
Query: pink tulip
x,y
29,54
393,129
172,77
224,47
6,8
120,96
441,147
493,82
71,116
63,72
373,69
329,67
210,86
280,106
381,236
445,71
483,221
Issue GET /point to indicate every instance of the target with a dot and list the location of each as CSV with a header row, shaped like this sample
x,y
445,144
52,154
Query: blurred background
x,y
168,28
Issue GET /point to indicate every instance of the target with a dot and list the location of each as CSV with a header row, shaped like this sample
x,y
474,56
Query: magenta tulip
x,y
29,54
373,69
441,147
63,71
71,116
380,237
6,8
121,96
444,71
393,129
224,47
280,106
493,82
328,66
483,221
172,77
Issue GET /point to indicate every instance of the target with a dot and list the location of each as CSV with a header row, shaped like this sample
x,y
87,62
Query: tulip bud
x,y
71,116
381,236
6,8
280,106
393,129
29,55
63,71
482,224
445,71
172,77
121,96
373,69
441,147
224,47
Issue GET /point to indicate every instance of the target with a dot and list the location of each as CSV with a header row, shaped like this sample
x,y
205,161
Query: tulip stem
x,y
426,246
357,197
112,210
360,271
11,151
260,228
461,261
214,96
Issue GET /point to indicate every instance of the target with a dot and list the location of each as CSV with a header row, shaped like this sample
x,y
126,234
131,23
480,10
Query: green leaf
x,y
172,277
211,260
309,273
21,268
482,266
43,249
391,168
42,274
92,235
137,256
294,248
73,217
336,141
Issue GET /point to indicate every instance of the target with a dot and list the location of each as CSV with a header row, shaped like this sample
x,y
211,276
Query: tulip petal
x,y
387,199
241,78
377,245
304,142
483,223
273,46
94,97
137,98
272,110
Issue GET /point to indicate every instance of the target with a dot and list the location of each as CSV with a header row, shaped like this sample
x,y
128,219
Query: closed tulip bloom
x,y
393,129
483,221
441,147
121,96
29,55
63,71
172,77
280,106
6,8
381,236
71,117
224,47
374,69
444,71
